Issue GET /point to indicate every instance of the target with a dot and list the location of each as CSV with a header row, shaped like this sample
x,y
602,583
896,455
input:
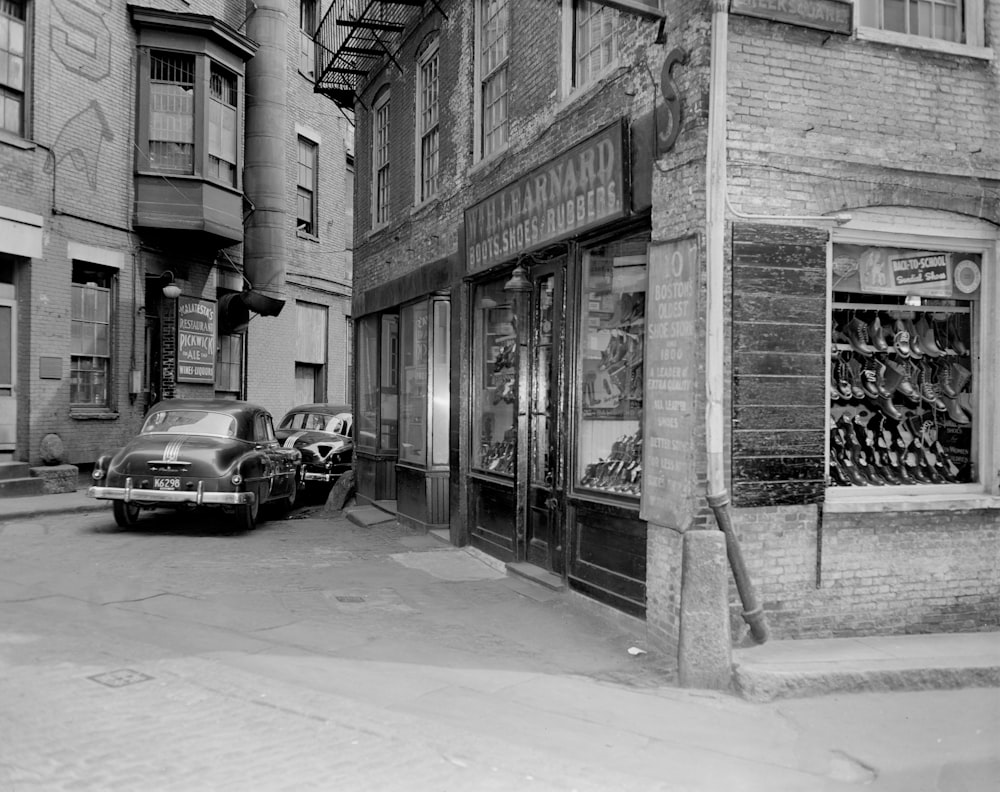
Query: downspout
x,y
715,212
264,249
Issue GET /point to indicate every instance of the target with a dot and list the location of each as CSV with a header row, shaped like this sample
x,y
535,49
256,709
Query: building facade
x,y
174,219
628,270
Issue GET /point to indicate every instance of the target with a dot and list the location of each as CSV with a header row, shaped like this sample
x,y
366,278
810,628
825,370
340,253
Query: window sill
x,y
306,236
923,43
910,499
83,414
486,162
423,205
376,230
15,141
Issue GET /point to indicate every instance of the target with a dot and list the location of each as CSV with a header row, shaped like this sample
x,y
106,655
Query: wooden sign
x,y
671,384
582,188
834,16
196,340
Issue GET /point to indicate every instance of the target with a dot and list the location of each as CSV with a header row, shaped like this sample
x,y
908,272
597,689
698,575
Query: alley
x,y
313,654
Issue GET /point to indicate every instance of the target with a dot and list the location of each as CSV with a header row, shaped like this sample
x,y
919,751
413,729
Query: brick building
x,y
615,257
155,144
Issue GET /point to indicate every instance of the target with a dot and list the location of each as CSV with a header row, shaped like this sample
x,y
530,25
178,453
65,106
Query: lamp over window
x,y
170,289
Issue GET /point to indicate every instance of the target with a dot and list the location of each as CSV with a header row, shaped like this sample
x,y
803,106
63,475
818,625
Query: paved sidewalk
x,y
779,668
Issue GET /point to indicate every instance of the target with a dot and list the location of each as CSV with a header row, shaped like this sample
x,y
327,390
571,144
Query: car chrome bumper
x,y
129,494
306,476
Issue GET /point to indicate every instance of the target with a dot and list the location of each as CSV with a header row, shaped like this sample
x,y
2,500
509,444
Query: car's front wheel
x,y
288,503
126,514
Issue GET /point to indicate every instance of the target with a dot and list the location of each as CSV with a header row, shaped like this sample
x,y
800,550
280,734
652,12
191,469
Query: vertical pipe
x,y
715,208
267,127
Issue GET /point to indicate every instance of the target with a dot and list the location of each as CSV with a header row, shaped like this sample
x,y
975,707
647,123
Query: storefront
x,y
557,267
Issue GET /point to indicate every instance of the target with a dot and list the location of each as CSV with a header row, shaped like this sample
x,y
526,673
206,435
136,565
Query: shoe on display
x,y
897,378
857,335
842,377
942,376
876,335
901,338
956,335
926,334
942,336
916,345
956,412
851,470
960,377
869,379
854,369
889,410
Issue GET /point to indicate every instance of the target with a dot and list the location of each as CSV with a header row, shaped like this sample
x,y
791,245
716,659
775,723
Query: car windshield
x,y
191,422
310,421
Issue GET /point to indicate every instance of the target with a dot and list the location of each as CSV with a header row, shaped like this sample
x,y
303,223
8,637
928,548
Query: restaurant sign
x,y
578,190
831,15
196,333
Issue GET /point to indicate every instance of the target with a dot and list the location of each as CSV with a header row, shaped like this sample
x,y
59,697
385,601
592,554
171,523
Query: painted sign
x,y
580,189
671,375
834,16
923,273
196,340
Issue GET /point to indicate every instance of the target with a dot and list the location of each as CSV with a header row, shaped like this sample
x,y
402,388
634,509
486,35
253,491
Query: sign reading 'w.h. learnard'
x,y
831,15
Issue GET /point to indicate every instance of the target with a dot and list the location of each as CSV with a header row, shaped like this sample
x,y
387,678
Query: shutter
x,y
779,364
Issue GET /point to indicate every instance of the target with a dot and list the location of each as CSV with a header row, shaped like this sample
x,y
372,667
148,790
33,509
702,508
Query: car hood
x,y
296,438
190,455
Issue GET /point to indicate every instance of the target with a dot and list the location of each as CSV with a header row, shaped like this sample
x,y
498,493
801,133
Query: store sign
x,y
920,273
671,374
196,334
646,8
830,15
581,189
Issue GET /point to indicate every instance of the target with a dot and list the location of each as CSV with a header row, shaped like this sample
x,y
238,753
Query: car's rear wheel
x,y
246,514
287,504
126,514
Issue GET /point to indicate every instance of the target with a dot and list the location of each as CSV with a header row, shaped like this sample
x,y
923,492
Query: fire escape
x,y
354,38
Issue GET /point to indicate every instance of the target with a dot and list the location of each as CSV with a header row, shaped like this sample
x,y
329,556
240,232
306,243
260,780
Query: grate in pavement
x,y
120,678
350,599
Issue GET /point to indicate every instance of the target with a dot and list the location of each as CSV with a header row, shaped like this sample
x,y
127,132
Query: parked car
x,y
324,433
200,453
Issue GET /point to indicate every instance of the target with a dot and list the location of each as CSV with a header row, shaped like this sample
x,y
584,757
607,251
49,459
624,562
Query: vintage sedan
x,y
201,453
324,433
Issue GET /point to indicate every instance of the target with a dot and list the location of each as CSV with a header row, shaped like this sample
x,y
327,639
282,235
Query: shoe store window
x,y
377,406
609,416
903,367
494,376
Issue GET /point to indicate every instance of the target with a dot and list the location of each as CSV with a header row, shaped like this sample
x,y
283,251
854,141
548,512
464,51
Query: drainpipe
x,y
264,252
715,211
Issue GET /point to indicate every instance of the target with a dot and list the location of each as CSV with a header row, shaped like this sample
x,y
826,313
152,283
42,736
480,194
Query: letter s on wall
x,y
671,114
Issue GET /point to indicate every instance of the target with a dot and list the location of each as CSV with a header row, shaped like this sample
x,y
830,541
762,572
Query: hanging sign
x,y
196,334
580,189
834,16
671,369
923,273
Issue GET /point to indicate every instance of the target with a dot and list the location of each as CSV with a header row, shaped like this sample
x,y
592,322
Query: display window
x,y
424,401
608,457
903,367
366,419
377,412
494,380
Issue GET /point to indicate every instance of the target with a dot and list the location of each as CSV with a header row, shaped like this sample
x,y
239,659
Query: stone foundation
x,y
57,478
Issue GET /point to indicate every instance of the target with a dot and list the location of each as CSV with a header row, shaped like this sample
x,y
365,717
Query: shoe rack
x,y
900,399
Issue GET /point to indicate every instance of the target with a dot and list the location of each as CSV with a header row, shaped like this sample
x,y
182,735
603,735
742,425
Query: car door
x,y
279,465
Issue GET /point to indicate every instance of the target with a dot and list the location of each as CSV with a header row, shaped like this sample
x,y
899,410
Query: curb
x,y
756,685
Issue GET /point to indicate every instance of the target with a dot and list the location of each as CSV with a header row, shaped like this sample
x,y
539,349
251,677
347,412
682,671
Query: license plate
x,y
166,483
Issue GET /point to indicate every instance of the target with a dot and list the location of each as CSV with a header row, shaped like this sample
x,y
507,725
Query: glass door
x,y
543,533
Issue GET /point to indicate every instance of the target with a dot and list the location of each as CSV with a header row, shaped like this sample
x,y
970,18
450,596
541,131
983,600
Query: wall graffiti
x,y
88,125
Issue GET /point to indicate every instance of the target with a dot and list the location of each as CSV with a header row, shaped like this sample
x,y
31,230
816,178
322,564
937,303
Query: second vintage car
x,y
200,453
324,433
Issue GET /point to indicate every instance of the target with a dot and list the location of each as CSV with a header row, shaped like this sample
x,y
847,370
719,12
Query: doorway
x,y
544,531
8,369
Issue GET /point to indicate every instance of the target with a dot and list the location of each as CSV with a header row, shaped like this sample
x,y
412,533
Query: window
x,y
494,378
171,113
91,333
13,35
349,215
308,12
229,367
380,157
222,141
589,41
494,51
349,336
943,22
306,179
311,322
427,125
904,367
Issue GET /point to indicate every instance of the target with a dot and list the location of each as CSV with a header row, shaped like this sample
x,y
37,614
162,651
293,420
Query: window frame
x,y
485,76
431,134
211,46
914,230
381,160
223,340
23,94
308,22
571,83
307,171
971,12
102,274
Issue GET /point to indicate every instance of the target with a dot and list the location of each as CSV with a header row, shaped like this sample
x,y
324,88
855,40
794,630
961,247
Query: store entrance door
x,y
8,372
544,531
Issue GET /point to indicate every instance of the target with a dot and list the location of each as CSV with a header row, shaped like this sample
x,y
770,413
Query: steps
x,y
16,481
